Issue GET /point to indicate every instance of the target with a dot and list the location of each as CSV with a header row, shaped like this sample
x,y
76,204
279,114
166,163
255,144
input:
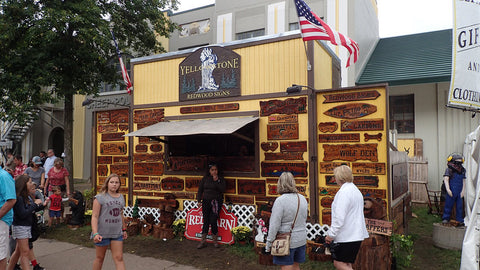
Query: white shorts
x,y
3,240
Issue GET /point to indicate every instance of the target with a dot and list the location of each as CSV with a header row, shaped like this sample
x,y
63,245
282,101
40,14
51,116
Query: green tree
x,y
51,50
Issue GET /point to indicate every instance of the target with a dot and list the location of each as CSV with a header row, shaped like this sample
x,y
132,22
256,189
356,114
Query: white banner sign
x,y
465,83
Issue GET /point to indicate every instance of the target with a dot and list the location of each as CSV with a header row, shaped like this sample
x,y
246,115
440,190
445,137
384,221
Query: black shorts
x,y
346,252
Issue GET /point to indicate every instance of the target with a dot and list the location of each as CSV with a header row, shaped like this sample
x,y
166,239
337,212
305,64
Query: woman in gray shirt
x,y
283,214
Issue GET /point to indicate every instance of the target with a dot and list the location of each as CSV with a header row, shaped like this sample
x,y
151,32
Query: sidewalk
x,y
55,255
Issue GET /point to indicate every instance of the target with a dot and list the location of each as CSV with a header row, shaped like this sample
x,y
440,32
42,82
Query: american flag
x,y
125,76
314,28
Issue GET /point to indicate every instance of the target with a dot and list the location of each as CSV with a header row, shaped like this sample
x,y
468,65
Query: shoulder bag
x,y
281,244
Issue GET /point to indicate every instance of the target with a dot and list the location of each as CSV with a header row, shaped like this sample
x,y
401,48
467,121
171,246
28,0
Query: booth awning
x,y
226,125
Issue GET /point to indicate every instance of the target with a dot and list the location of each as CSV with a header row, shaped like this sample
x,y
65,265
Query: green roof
x,y
411,59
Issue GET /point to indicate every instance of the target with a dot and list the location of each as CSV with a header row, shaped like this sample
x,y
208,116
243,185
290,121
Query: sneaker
x,y
17,267
444,222
38,267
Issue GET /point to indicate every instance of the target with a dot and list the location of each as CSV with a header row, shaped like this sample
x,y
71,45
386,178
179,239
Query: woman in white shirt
x,y
348,223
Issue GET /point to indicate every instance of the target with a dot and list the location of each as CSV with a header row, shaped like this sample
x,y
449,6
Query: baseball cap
x,y
37,160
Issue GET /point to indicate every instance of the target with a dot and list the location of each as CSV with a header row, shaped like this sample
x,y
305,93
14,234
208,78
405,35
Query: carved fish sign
x,y
351,110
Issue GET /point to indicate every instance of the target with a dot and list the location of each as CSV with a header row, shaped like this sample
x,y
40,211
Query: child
x,y
55,210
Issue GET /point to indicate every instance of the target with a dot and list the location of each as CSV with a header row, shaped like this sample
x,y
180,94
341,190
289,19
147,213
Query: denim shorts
x,y
53,213
106,241
21,232
297,255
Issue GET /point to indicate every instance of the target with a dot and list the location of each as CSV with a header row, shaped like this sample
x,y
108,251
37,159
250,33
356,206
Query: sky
x,y
396,17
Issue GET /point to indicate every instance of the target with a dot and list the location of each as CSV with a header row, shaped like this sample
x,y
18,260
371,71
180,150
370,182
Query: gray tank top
x,y
110,218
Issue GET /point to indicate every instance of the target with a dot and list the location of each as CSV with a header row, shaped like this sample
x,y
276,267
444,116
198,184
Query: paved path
x,y
55,255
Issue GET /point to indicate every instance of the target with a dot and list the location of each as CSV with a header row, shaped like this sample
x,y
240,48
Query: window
x,y
107,87
293,26
250,34
402,114
234,153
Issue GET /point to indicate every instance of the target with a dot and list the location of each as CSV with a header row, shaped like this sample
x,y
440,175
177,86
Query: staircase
x,y
12,131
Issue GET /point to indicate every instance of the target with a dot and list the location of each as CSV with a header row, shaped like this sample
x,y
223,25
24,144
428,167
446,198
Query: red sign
x,y
226,222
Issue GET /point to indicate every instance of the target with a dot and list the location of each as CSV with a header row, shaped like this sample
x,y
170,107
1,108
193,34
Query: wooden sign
x,y
351,110
147,157
142,193
288,106
269,146
379,226
302,190
339,137
210,108
187,163
102,170
104,159
148,116
330,191
231,186
368,168
117,136
146,186
275,169
351,96
286,131
103,118
106,128
328,127
148,168
283,118
184,195
141,178
303,181
120,159
251,187
141,148
350,152
113,148
374,193
239,199
361,125
119,116
284,156
145,140
366,180
120,169
272,190
327,167
156,147
326,202
377,137
172,183
123,127
191,183
300,146
326,216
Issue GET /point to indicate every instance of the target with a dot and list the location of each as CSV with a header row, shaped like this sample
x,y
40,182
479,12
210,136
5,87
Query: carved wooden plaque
x,y
239,199
351,96
106,128
147,186
302,190
361,125
275,169
155,179
368,168
184,195
210,108
191,183
117,136
272,190
119,116
187,163
351,110
379,226
143,193
102,170
120,169
148,157
251,187
284,156
286,131
377,137
231,186
141,148
120,159
172,183
269,146
103,118
288,106
145,140
104,160
156,147
141,178
300,146
350,152
339,137
272,180
148,168
327,167
330,191
283,118
374,193
148,116
363,180
326,202
326,216
303,181
123,127
113,148
328,127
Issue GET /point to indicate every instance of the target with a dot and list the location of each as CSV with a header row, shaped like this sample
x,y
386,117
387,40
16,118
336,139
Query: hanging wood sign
x,y
148,116
362,125
103,118
123,127
339,137
379,226
269,146
284,156
330,191
172,183
283,118
374,193
251,187
102,170
156,147
104,159
326,216
147,157
210,108
351,96
120,169
327,167
351,110
300,146
187,163
288,106
117,136
326,202
113,148
192,183
141,178
119,116
148,168
350,152
368,168
366,180
141,148
328,127
123,159
146,186
286,131
106,128
377,137
275,169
